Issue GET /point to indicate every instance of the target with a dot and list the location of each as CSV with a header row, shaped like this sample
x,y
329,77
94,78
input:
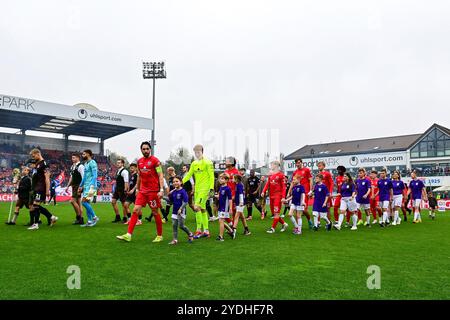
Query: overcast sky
x,y
317,71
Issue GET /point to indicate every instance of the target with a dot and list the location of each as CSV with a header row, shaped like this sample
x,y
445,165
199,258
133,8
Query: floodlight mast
x,y
153,70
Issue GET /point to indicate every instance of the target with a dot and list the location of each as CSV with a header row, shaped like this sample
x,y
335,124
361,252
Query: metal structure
x,y
153,70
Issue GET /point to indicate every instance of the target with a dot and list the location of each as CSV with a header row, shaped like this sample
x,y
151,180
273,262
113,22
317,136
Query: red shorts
x,y
373,203
337,203
275,205
152,199
306,201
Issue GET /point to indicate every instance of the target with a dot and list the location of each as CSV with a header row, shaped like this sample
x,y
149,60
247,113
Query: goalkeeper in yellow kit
x,y
203,171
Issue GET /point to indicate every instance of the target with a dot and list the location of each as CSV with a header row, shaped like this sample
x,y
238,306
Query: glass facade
x,y
434,144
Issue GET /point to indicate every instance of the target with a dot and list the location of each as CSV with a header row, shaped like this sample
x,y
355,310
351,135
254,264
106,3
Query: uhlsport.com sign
x,y
353,161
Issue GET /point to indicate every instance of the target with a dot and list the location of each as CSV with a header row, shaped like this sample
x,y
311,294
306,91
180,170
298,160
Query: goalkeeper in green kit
x,y
203,171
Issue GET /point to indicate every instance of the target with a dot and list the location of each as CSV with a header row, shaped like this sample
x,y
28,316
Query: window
x,y
434,144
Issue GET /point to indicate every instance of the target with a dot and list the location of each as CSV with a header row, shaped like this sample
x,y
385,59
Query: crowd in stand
x,y
59,161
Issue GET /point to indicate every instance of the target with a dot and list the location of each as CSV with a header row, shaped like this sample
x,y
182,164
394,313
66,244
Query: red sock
x,y
347,216
132,223
275,222
228,220
336,214
359,215
373,211
281,221
158,222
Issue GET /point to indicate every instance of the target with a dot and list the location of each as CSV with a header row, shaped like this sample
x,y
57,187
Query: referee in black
x,y
40,189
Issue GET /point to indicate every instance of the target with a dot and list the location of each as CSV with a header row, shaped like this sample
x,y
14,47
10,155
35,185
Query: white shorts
x,y
384,204
320,214
348,203
223,215
298,208
417,203
398,200
175,216
239,209
365,206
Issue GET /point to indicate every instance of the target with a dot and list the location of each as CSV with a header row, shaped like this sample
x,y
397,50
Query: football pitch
x,y
414,261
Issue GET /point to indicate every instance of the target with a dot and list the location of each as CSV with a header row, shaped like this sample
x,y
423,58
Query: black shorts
x,y
120,195
131,199
37,197
432,207
252,198
21,202
75,194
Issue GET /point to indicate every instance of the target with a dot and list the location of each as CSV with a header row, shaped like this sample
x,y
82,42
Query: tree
x,y
114,156
178,158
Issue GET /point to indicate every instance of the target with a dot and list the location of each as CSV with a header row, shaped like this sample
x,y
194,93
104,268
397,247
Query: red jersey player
x,y
149,189
327,181
374,199
277,195
306,180
339,181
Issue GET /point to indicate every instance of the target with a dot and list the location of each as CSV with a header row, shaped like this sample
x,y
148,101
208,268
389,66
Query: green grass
x,y
414,262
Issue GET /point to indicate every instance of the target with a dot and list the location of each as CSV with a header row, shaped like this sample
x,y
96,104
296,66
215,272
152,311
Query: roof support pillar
x,y
22,139
66,142
102,146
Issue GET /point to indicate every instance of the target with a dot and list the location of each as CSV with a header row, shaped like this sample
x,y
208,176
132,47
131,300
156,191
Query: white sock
x,y
341,219
418,216
316,220
324,216
367,217
293,221
300,222
395,216
415,215
355,219
385,216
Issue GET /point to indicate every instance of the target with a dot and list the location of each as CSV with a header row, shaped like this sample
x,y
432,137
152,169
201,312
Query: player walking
x,y
150,190
306,180
179,199
40,189
252,187
88,187
239,201
202,169
131,194
23,196
328,181
374,198
320,205
76,175
337,200
363,192
120,192
398,188
297,197
277,195
418,193
385,193
348,192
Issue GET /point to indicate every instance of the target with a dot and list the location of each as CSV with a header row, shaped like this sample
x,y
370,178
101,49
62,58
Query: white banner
x,y
72,113
353,161
432,181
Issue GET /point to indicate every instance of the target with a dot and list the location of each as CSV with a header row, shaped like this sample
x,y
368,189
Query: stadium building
x,y
427,152
71,126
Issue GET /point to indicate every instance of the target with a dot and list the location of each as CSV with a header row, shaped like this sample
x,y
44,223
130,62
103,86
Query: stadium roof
x,y
80,120
386,144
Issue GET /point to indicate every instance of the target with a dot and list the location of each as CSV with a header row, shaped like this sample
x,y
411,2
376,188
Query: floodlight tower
x,y
153,70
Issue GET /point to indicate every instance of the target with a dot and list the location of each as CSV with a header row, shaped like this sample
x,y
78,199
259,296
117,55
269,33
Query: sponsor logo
x,y
353,161
82,114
